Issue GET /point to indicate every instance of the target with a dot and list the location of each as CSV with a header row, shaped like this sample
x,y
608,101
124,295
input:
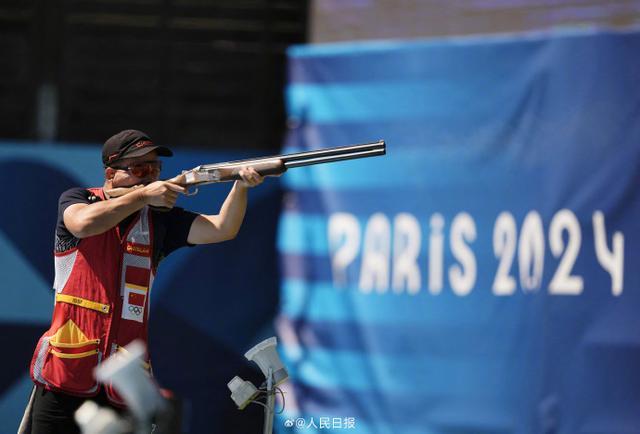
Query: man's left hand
x,y
250,178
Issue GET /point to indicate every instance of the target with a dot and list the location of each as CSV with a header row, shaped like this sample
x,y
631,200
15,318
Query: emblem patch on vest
x,y
135,293
134,302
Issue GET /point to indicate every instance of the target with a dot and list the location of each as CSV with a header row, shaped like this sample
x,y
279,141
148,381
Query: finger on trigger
x,y
176,187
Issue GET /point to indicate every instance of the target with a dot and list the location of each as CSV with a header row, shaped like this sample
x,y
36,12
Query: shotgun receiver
x,y
268,166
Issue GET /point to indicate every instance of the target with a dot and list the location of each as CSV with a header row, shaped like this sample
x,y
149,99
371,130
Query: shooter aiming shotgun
x,y
119,245
266,166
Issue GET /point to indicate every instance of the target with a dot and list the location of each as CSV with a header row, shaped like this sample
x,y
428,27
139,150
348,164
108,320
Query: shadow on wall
x,y
27,221
29,216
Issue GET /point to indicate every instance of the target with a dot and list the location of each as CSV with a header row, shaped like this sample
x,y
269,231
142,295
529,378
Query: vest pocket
x,y
72,371
71,359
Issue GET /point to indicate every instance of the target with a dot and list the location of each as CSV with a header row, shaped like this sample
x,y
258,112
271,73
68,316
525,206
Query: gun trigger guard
x,y
191,193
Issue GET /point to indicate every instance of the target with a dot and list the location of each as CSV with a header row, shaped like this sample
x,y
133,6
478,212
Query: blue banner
x,y
480,278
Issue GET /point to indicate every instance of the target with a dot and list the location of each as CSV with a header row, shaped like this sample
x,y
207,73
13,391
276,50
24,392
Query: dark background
x,y
189,72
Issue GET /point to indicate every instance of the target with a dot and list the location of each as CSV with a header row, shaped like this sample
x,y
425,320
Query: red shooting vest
x,y
102,290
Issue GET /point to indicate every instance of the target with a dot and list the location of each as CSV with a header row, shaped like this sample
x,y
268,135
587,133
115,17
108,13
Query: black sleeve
x,y
64,240
171,230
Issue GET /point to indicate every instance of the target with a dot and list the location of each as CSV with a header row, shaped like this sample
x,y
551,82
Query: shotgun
x,y
267,166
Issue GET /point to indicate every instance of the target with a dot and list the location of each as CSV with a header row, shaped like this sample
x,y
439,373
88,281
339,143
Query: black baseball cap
x,y
128,144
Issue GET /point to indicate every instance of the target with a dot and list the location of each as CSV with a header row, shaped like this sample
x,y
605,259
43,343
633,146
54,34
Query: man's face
x,y
134,171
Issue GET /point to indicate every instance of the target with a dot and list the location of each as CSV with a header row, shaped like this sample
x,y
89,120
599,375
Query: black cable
x,y
266,393
283,403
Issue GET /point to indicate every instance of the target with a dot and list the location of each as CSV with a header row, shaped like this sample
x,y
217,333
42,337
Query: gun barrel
x,y
307,158
337,153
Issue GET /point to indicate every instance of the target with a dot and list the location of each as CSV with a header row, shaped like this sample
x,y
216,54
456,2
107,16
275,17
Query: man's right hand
x,y
162,194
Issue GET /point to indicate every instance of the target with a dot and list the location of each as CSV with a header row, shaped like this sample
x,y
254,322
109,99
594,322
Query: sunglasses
x,y
142,169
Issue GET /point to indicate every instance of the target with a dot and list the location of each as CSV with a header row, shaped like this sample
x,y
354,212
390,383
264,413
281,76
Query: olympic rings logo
x,y
135,309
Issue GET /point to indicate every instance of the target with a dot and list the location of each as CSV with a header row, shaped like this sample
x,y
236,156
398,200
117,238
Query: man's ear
x,y
109,173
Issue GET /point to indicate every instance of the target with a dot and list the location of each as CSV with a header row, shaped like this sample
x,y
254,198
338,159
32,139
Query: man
x,y
107,250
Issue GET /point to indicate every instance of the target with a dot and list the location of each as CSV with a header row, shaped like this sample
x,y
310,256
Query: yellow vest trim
x,y
72,355
82,302
138,287
75,344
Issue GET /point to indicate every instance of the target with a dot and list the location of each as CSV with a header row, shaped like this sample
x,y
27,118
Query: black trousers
x,y
52,412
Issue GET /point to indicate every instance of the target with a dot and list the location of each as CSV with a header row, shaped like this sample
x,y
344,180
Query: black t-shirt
x,y
170,229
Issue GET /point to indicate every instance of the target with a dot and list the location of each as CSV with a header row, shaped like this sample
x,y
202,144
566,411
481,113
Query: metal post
x,y
269,411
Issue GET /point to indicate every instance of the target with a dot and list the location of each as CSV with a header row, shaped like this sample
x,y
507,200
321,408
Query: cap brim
x,y
161,150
